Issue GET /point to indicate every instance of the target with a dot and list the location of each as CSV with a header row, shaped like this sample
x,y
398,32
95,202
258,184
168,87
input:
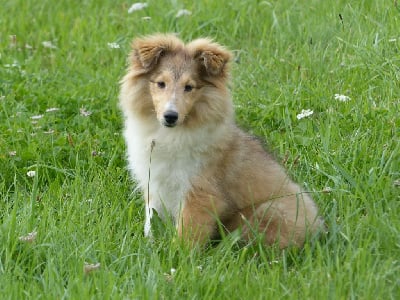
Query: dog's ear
x,y
147,51
213,58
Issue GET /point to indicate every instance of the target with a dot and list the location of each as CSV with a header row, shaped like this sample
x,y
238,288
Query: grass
x,y
290,55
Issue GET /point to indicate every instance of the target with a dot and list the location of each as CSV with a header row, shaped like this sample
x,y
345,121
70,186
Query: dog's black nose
x,y
170,118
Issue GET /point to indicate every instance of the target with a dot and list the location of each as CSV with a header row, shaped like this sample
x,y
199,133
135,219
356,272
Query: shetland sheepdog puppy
x,y
193,164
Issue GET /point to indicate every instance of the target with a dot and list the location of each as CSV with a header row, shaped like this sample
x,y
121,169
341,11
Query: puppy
x,y
193,164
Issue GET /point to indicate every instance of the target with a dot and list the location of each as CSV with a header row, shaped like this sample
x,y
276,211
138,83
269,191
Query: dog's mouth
x,y
168,125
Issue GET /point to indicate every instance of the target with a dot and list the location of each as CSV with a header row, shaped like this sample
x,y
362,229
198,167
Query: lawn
x,y
71,224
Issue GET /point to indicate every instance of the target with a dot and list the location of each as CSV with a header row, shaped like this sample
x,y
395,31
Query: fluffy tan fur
x,y
220,173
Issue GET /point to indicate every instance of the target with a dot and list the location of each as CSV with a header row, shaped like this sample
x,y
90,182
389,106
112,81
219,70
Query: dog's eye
x,y
188,88
161,84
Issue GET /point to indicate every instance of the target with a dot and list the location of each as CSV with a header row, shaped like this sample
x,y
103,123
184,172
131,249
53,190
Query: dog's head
x,y
187,83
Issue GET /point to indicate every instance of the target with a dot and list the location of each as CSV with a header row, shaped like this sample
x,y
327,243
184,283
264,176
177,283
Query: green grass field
x,y
59,117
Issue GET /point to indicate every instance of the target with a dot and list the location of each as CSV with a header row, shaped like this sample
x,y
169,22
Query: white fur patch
x,y
170,105
176,158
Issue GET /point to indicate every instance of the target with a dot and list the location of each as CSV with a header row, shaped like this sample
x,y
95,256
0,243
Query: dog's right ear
x,y
147,51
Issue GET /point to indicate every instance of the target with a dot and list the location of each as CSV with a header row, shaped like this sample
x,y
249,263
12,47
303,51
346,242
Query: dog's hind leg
x,y
285,221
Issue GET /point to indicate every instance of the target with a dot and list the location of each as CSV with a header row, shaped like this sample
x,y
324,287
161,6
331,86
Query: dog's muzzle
x,y
170,118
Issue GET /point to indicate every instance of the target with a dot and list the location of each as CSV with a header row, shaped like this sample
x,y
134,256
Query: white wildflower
x,y
113,45
12,153
37,117
392,40
87,268
304,113
169,277
51,109
342,98
29,238
15,64
97,153
272,262
48,44
183,12
31,173
137,6
84,112
146,18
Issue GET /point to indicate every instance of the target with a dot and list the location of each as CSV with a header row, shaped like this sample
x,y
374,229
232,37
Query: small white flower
x,y
113,45
97,153
12,153
31,173
183,12
173,271
15,64
392,40
51,109
29,238
146,18
85,112
48,44
342,98
37,117
88,268
137,6
304,113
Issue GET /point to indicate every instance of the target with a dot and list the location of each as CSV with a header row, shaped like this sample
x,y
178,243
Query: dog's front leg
x,y
147,223
197,221
195,225
151,206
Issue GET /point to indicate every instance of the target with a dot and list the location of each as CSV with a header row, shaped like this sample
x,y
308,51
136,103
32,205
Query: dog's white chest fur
x,y
165,171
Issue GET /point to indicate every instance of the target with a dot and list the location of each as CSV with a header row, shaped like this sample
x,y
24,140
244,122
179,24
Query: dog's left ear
x,y
213,57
